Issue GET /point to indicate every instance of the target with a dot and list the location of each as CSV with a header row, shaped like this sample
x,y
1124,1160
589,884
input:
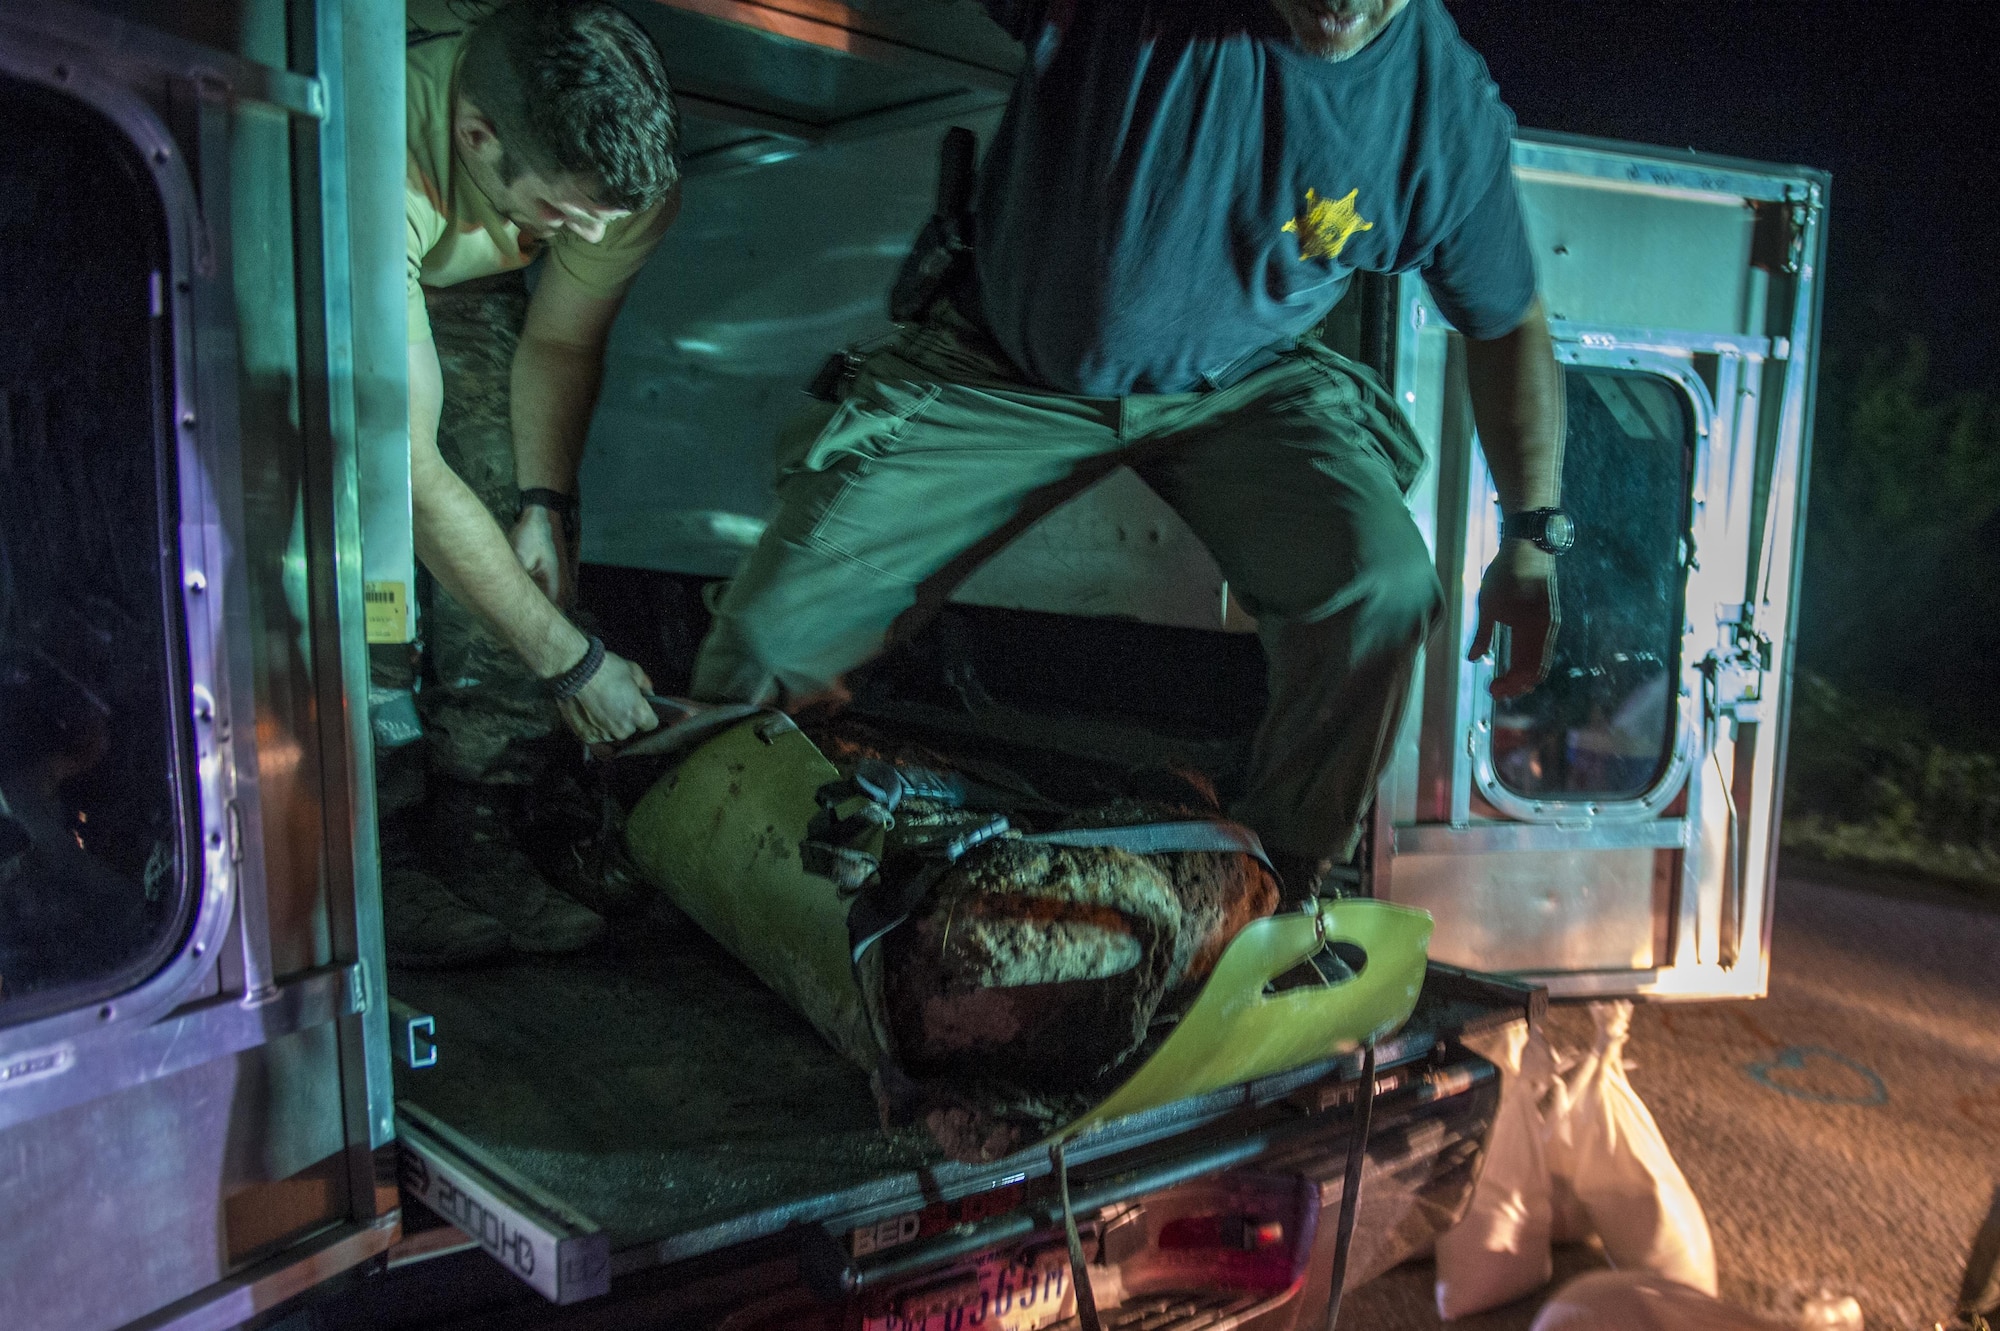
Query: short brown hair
x,y
575,86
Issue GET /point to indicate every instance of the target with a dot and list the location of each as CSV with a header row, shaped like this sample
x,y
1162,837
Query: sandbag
x,y
1608,1152
1642,1301
1570,1222
1499,1251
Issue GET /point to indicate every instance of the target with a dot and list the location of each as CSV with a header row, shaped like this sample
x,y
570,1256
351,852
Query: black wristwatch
x,y
1548,529
566,507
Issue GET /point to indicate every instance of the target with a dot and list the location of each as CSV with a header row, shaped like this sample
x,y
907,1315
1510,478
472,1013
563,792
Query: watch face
x,y
1559,533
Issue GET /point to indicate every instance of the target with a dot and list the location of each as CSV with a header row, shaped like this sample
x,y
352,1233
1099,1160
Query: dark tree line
x,y
1901,596
1896,723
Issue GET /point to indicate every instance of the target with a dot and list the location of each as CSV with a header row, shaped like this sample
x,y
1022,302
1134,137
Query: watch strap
x,y
566,507
1533,525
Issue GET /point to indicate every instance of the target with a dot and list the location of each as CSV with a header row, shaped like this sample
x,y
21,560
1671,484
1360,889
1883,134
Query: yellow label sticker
x,y
388,611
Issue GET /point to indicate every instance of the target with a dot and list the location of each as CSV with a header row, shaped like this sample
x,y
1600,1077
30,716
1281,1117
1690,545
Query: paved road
x,y
1844,1132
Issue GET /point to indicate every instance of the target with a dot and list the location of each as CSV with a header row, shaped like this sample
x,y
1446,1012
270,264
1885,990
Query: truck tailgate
x,y
654,1102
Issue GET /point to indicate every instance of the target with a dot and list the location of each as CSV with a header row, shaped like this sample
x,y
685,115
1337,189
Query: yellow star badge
x,y
1324,226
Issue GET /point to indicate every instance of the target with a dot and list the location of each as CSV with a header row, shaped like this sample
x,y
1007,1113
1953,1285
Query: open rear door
x,y
194,1102
1613,832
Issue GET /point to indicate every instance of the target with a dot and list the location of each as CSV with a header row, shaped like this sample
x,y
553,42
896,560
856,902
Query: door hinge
x,y
1802,204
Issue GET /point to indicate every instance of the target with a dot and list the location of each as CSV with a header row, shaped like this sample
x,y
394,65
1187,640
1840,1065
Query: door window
x,y
94,888
1602,727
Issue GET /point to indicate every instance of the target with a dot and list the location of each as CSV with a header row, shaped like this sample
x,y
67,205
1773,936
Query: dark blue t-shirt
x,y
1176,186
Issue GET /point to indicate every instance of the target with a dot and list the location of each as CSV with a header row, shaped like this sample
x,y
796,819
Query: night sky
x,y
1896,99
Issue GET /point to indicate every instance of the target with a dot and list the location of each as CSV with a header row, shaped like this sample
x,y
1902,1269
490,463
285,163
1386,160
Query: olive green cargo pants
x,y
1294,478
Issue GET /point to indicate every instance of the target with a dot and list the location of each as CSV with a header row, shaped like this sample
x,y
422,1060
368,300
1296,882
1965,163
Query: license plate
x,y
1006,1294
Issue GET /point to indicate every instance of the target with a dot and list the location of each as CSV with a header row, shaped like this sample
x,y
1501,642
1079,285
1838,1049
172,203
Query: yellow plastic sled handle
x,y
1235,1032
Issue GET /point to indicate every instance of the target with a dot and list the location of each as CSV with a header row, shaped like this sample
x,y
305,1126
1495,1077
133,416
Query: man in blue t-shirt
x,y
1177,194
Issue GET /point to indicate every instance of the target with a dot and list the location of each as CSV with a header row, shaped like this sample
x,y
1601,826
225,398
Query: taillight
x,y
1246,1252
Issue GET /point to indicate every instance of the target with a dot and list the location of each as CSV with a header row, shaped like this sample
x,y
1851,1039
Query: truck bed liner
x,y
657,1088
656,1085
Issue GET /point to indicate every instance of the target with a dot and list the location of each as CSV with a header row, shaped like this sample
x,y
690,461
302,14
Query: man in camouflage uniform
x,y
543,126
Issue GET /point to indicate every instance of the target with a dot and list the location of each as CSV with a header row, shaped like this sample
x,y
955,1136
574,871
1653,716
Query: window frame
x,y
197,470
1484,543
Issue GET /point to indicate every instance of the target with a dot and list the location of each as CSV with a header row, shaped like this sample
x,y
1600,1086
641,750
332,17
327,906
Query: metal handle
x,y
413,1035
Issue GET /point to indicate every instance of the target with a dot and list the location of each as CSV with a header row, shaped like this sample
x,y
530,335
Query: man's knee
x,y
771,649
1393,593
742,658
1405,596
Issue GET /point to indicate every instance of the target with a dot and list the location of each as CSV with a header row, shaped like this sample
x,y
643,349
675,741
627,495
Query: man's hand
x,y
612,706
1519,590
547,553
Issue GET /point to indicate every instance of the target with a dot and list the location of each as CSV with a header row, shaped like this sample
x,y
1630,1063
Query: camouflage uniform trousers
x,y
487,718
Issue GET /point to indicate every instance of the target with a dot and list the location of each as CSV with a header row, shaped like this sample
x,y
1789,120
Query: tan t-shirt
x,y
455,233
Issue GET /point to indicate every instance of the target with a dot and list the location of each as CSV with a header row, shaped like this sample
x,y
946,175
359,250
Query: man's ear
x,y
475,133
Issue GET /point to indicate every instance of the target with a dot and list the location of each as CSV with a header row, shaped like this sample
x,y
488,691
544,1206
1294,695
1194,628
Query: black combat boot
x,y
473,847
575,833
424,925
